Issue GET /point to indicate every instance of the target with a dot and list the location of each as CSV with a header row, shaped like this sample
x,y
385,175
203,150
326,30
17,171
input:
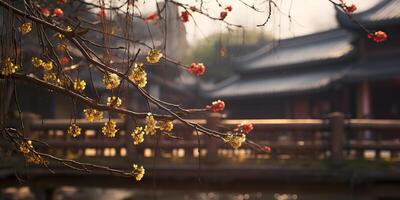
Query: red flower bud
x,y
378,36
45,12
267,149
64,61
58,12
218,105
185,16
245,127
350,9
223,15
228,8
197,69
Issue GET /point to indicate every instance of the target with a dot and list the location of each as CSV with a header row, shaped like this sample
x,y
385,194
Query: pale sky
x,y
308,16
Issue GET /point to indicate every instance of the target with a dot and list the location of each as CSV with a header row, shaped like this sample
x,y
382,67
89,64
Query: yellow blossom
x,y
109,129
26,28
235,140
114,101
138,135
25,147
63,81
60,36
93,114
150,128
37,62
47,65
74,130
166,126
154,56
111,81
34,158
79,85
138,171
138,75
50,77
68,29
9,67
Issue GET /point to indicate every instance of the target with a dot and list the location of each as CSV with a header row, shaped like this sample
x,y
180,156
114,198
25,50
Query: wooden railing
x,y
335,139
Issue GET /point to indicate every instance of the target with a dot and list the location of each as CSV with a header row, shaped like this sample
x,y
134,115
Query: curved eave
x,y
284,84
330,47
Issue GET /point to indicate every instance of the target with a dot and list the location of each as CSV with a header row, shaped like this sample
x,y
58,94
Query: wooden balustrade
x,y
330,138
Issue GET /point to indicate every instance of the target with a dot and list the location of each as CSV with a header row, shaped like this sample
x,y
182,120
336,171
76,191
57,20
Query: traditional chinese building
x,y
310,76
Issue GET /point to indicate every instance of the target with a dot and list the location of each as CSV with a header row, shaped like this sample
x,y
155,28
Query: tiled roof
x,y
334,45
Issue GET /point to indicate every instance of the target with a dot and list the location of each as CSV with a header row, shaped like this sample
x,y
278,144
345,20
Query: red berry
x,y
58,12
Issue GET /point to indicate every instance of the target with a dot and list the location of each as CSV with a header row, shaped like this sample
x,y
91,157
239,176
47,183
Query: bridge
x,y
337,154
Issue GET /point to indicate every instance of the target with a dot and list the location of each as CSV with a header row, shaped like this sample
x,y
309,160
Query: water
x,y
72,193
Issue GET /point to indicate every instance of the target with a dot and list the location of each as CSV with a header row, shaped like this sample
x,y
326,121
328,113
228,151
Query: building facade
x,y
339,70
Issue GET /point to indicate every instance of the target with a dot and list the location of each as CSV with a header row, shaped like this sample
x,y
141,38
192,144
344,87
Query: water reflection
x,y
73,193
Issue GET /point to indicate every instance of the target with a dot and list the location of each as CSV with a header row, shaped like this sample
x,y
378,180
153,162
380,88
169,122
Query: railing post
x,y
337,137
213,121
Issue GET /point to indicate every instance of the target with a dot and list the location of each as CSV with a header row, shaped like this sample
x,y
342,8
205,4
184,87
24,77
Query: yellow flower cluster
x,y
50,77
26,149
37,62
138,135
166,126
109,129
138,171
9,67
79,85
235,140
26,28
138,75
150,128
47,65
114,101
74,130
154,56
111,81
92,114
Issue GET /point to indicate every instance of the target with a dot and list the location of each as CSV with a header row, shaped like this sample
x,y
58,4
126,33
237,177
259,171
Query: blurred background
x,y
319,93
